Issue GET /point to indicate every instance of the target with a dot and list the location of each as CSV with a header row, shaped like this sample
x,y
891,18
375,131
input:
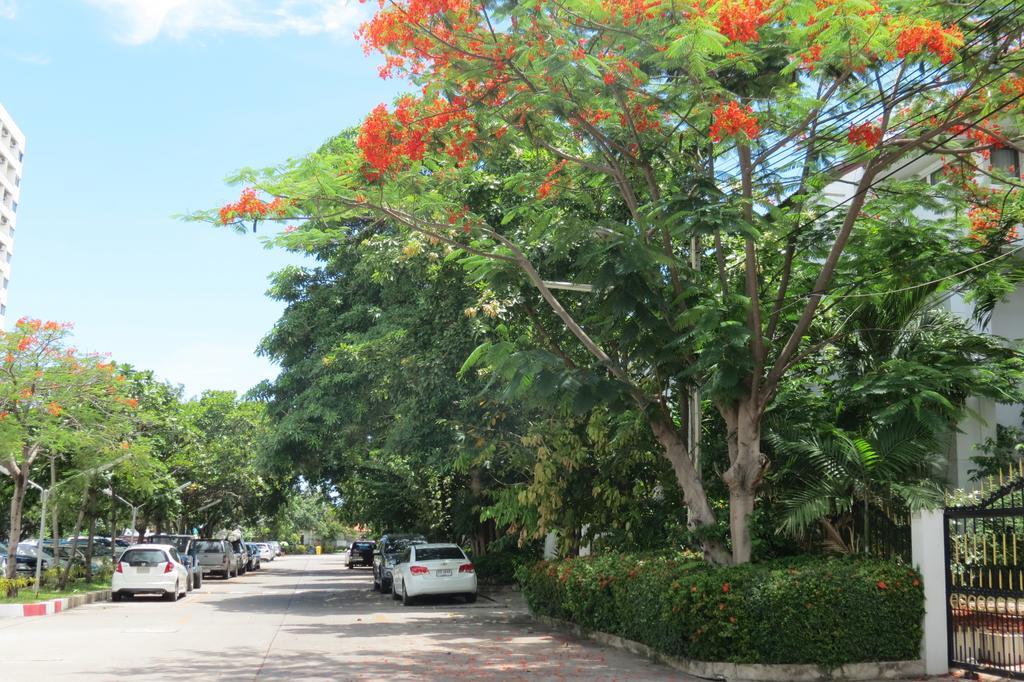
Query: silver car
x,y
216,556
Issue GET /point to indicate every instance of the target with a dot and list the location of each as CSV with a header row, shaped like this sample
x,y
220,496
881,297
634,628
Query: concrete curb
x,y
52,606
748,672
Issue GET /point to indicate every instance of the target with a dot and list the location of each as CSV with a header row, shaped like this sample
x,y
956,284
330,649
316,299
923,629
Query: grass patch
x,y
27,595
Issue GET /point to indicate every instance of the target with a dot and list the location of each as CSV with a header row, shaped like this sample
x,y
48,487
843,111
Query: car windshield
x,y
433,553
181,543
210,546
402,543
143,557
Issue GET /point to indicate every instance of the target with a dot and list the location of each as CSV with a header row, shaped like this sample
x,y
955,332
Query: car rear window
x,y
362,545
210,546
143,557
432,553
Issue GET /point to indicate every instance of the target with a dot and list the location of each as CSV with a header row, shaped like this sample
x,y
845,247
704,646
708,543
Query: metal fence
x,y
984,546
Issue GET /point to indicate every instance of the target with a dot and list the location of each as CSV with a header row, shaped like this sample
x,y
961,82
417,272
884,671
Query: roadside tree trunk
x,y
89,545
701,515
17,504
747,466
66,573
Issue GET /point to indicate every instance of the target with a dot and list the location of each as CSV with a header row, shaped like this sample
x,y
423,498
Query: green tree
x,y
709,134
55,400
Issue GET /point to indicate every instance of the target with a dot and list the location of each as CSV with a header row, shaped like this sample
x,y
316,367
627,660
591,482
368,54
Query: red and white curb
x,y
52,606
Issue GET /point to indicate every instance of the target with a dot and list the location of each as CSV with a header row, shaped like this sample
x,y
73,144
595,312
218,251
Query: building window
x,y
3,309
935,177
14,206
1007,161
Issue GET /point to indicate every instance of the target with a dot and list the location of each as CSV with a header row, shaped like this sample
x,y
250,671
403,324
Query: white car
x,y
266,553
434,569
150,569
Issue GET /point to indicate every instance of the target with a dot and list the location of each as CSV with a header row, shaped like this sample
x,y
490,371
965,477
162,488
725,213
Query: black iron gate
x,y
984,542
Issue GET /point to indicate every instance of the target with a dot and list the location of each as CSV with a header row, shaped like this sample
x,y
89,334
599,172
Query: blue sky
x,y
134,111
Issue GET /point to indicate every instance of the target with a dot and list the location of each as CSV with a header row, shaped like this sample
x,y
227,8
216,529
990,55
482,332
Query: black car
x,y
360,553
186,545
384,559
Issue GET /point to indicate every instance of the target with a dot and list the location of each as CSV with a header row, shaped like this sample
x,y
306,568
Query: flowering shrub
x,y
809,610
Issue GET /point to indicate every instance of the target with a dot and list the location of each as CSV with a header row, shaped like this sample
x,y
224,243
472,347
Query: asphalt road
x,y
303,618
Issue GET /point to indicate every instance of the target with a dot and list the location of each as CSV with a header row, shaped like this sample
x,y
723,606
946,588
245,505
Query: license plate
x,y
443,572
142,569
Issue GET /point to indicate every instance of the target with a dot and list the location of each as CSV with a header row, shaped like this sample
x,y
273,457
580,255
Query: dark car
x,y
24,564
360,553
253,563
389,549
186,545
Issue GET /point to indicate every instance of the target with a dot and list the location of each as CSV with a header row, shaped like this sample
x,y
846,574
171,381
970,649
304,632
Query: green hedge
x,y
810,610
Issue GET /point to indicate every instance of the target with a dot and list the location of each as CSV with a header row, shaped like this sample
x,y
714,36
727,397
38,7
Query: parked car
x,y
277,547
241,556
389,549
186,546
265,550
30,548
150,569
360,553
216,556
439,568
254,562
25,564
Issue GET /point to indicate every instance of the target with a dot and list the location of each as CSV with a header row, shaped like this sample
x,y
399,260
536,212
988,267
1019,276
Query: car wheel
x,y
394,592
350,566
188,584
172,596
227,574
197,580
406,599
471,598
377,586
387,587
115,596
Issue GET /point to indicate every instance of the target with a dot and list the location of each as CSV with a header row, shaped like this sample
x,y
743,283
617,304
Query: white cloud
x,y
8,9
34,59
140,21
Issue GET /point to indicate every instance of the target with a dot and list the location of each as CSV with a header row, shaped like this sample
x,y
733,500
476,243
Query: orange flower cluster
x,y
731,120
739,20
867,134
1014,86
545,187
251,207
389,141
986,224
54,409
400,29
631,12
930,36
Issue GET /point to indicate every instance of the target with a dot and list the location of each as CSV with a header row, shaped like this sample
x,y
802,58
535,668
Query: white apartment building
x,y
1007,321
12,154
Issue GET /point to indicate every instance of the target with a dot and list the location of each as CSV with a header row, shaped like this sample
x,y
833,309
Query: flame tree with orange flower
x,y
705,133
53,400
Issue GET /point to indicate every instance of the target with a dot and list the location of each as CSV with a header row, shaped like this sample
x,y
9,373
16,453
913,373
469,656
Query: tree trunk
x,y
745,473
701,515
55,520
17,504
89,545
66,573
